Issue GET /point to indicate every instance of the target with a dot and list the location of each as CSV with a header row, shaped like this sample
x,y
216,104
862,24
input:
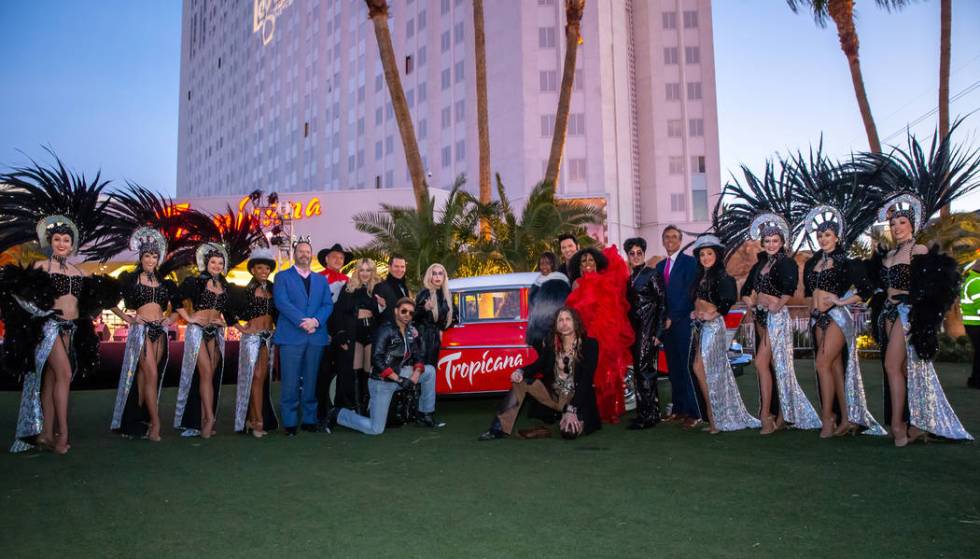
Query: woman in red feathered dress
x,y
599,295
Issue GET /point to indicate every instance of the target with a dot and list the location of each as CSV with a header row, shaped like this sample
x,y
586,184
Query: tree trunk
x,y
945,33
378,12
482,120
842,12
573,33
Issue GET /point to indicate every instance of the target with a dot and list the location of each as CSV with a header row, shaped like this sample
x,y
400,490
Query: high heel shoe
x,y
256,429
768,425
207,429
846,428
827,430
901,436
916,434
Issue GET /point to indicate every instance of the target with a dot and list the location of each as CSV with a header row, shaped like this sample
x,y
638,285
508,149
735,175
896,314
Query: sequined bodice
x,y
145,294
765,283
703,291
256,306
899,276
831,280
66,285
211,300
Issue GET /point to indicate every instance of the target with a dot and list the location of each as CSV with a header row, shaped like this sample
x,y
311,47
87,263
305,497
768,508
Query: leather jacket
x,y
648,312
393,350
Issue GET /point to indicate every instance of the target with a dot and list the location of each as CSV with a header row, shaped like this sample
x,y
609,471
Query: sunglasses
x,y
635,253
405,311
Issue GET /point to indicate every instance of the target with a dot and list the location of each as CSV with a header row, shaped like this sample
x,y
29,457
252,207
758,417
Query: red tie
x,y
667,273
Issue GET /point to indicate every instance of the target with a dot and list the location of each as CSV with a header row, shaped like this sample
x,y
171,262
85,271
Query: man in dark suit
x,y
678,271
568,246
304,304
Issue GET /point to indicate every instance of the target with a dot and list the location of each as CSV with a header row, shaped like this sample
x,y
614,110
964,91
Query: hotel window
x,y
447,156
576,170
389,111
675,128
423,129
360,126
699,205
695,127
446,79
576,124
410,98
673,91
460,110
546,37
694,91
690,20
422,56
378,149
444,7
350,163
389,179
444,41
549,80
670,20
546,2
460,150
389,145
678,202
458,71
446,117
547,126
378,116
670,55
692,55
422,21
409,65
458,33
675,165
423,92
360,159
410,29
697,164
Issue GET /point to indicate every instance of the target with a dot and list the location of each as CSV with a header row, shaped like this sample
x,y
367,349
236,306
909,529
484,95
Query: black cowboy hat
x,y
321,256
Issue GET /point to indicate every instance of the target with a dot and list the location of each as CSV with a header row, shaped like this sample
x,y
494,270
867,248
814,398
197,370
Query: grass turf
x,y
413,492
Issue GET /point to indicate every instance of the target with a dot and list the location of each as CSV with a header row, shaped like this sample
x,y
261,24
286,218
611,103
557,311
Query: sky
x,y
98,80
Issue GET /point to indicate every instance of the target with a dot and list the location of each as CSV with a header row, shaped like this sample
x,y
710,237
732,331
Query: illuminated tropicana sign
x,y
296,210
264,16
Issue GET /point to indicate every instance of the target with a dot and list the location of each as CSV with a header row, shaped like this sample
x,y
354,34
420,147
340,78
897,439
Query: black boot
x,y
427,420
647,402
494,432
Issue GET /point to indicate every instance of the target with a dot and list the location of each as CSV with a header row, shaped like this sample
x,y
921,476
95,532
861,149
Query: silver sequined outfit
x,y
723,396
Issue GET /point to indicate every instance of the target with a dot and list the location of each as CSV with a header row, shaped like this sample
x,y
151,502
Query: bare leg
x,y
895,357
61,367
763,367
698,369
46,438
825,372
149,379
205,370
258,388
834,344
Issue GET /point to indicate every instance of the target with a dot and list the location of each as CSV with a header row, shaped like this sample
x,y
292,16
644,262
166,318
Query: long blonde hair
x,y
355,280
427,283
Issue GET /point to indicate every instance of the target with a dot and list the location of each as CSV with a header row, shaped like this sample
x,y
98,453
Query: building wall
x,y
309,111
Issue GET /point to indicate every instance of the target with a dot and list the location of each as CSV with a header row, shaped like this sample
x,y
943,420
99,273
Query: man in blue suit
x,y
678,271
304,304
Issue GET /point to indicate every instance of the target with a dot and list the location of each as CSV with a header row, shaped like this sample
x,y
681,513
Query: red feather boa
x,y
600,299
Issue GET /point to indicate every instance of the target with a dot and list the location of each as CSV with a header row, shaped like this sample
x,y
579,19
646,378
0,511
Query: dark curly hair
x,y
554,339
550,257
715,271
575,264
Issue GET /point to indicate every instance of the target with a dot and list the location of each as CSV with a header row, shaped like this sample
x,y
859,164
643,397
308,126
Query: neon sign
x,y
297,210
264,14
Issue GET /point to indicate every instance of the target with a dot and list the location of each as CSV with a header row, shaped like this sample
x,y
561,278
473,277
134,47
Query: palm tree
x,y
378,12
573,36
482,119
423,236
517,243
945,34
842,14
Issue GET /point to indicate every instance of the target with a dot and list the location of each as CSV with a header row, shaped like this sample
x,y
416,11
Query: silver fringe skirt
x,y
726,403
188,413
249,349
928,408
796,409
30,420
857,403
135,342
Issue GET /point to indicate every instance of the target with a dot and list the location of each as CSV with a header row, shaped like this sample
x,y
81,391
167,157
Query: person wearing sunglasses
x,y
397,364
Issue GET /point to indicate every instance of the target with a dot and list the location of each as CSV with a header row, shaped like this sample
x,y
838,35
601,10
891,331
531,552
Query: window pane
x,y
494,305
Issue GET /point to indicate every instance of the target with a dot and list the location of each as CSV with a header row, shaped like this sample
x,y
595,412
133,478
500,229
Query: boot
x,y
647,402
494,432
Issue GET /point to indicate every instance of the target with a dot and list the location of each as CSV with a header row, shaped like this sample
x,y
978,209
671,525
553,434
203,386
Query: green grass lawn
x,y
422,493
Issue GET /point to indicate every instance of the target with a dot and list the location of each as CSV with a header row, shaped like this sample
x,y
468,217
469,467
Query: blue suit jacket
x,y
682,273
294,305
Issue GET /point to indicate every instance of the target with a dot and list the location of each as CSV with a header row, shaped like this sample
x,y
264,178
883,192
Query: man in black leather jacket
x,y
396,365
648,305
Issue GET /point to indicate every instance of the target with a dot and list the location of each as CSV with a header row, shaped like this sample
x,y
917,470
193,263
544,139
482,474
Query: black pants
x,y
973,332
336,363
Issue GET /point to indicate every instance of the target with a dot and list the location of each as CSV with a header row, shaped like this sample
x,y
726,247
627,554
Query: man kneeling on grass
x,y
396,365
560,380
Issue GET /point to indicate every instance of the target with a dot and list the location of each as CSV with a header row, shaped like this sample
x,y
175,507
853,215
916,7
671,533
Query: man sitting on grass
x,y
396,365
561,380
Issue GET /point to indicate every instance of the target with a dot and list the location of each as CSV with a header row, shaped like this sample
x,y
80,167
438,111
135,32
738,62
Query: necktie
x,y
667,272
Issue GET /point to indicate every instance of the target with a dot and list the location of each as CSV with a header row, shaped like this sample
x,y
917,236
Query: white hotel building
x,y
289,96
